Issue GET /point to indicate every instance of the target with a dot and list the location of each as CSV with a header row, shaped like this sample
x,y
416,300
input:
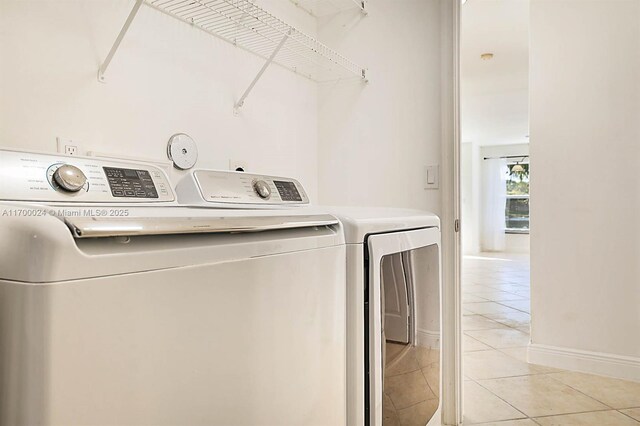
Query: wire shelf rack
x,y
252,28
321,8
246,25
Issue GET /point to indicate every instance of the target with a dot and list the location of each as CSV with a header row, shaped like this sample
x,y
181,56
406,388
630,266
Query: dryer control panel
x,y
26,176
239,189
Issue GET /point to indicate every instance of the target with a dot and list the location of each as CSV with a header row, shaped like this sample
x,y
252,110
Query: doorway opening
x,y
495,169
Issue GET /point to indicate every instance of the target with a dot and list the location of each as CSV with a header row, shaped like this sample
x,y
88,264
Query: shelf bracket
x,y
116,44
240,102
362,5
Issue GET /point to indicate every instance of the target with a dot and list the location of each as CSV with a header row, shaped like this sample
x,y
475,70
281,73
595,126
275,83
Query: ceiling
x,y
495,92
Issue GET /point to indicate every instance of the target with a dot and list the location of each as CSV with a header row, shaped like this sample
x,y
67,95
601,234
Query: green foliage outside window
x,y
518,181
517,205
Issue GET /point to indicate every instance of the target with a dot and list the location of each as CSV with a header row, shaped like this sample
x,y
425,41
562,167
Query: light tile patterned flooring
x,y
501,388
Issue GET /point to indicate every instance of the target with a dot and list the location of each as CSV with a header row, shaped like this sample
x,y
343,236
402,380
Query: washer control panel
x,y
26,176
239,189
130,183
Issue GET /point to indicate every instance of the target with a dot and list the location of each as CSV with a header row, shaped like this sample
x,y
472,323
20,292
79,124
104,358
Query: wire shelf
x,y
321,8
250,27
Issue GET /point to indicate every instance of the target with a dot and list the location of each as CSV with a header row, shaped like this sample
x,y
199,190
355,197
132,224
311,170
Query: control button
x,y
129,193
118,193
70,178
141,193
262,189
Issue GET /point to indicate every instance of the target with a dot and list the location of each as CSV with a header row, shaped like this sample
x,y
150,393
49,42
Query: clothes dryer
x,y
394,310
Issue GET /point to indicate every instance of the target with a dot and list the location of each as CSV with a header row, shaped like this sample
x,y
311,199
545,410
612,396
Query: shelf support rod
x,y
362,5
116,44
240,102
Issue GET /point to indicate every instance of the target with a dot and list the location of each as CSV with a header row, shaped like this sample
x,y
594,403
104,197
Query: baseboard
x,y
428,339
622,367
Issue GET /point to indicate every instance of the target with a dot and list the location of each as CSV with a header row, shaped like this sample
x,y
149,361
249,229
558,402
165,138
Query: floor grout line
x,y
506,402
579,391
625,414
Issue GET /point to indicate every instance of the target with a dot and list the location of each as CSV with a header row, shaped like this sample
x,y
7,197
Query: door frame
x,y
452,398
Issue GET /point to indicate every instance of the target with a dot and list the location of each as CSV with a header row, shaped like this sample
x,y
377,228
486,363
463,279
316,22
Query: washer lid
x,y
37,245
90,227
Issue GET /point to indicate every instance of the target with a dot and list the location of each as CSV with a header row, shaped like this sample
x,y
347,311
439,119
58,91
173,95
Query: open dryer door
x,y
403,307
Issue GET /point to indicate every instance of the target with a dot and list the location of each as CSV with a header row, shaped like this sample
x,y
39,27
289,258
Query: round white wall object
x,y
183,151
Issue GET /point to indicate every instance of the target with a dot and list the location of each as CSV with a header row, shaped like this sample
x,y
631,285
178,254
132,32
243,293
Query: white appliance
x,y
393,315
120,307
393,294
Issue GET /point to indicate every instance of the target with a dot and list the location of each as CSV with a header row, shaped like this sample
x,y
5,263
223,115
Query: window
x,y
517,206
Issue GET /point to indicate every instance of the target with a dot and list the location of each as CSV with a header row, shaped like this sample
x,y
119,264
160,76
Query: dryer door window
x,y
403,334
395,303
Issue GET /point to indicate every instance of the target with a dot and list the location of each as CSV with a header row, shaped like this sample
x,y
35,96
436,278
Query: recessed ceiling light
x,y
486,56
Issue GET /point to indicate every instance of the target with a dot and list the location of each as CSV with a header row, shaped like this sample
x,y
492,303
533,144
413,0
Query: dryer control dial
x,y
262,189
70,178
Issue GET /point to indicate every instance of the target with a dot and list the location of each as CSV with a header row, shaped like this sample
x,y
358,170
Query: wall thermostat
x,y
183,151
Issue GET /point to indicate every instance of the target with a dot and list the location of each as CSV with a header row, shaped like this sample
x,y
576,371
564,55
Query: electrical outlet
x,y
68,146
237,165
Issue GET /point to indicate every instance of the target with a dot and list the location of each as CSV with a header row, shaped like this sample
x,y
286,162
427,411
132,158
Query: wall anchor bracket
x,y
240,102
116,44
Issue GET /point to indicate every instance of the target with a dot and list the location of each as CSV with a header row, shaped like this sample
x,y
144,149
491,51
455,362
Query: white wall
x,y
166,78
495,92
471,189
495,118
469,242
517,243
375,139
585,147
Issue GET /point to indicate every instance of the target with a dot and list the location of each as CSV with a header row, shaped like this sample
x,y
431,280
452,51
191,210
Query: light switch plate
x,y
432,177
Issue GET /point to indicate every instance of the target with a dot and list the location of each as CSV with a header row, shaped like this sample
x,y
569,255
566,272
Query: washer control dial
x,y
70,178
262,189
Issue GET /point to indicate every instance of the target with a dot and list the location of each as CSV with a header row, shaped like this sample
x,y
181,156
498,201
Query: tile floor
x,y
501,387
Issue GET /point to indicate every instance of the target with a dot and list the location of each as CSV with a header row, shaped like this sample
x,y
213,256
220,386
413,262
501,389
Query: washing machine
x,y
120,307
394,310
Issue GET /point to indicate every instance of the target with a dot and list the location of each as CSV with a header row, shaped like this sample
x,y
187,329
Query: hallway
x,y
501,388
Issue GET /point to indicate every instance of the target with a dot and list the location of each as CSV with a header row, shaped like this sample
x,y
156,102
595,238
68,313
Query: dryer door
x,y
403,331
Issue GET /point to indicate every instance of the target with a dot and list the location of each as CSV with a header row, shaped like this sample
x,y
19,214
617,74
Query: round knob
x,y
262,188
70,178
